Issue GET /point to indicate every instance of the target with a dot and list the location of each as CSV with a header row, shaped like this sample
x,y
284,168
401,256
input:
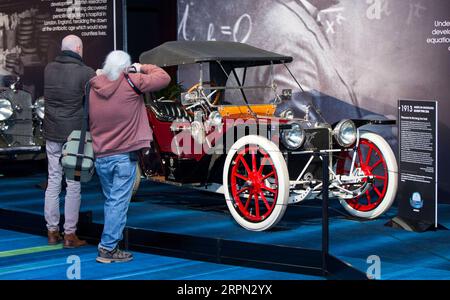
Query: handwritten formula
x,y
239,30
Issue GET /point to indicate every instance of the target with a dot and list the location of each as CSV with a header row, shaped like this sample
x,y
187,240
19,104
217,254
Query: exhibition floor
x,y
404,255
51,263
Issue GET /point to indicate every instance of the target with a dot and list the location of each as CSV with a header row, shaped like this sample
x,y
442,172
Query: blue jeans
x,y
117,174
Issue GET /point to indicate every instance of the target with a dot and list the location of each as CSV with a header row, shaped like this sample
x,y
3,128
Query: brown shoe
x,y
54,237
72,241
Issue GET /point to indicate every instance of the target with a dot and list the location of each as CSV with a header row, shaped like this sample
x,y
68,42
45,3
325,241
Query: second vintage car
x,y
21,121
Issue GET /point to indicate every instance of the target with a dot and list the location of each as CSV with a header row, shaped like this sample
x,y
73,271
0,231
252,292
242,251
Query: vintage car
x,y
21,120
262,159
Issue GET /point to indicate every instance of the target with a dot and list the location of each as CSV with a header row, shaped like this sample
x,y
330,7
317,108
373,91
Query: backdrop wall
x,y
31,32
359,57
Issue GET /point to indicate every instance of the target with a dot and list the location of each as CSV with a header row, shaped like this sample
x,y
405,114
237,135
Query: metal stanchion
x,y
325,222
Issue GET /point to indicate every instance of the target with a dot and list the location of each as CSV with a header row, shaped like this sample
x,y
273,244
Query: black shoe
x,y
116,255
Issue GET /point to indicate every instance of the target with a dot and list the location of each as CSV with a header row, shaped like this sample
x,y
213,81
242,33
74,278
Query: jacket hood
x,y
69,57
104,87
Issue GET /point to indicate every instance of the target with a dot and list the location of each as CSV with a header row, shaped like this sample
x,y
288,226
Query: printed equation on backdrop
x,y
241,28
239,31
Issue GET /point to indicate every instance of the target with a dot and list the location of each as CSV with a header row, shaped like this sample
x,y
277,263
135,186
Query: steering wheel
x,y
216,98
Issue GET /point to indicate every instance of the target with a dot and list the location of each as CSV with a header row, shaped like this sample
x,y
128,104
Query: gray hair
x,y
71,43
116,62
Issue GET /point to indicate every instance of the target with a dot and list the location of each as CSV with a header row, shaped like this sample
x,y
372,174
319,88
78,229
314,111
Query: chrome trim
x,y
18,150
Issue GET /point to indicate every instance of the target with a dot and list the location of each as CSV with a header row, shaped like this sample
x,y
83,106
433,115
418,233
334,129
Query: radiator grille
x,y
317,139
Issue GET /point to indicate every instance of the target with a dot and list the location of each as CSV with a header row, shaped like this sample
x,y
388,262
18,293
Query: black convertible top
x,y
237,55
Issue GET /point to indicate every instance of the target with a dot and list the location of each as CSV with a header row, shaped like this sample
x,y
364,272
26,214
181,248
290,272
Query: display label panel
x,y
418,160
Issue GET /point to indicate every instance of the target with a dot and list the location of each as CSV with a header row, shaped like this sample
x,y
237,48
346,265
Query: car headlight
x,y
6,109
345,133
293,138
40,108
215,118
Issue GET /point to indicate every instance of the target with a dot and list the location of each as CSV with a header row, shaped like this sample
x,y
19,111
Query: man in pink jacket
x,y
119,127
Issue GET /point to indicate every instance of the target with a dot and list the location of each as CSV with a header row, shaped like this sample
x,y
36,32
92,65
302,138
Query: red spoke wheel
x,y
374,158
256,183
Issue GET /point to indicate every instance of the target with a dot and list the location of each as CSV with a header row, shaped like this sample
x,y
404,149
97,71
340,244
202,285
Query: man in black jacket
x,y
65,79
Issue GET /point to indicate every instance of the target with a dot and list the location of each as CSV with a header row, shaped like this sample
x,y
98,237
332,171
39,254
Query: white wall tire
x,y
272,159
389,167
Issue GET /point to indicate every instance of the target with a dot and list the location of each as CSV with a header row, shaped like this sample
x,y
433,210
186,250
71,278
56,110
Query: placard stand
x,y
413,225
418,166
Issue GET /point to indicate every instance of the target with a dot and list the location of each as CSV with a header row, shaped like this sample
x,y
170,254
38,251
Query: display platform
x,y
179,222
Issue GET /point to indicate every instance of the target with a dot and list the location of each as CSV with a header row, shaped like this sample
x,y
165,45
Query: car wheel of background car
x,y
256,183
137,180
374,157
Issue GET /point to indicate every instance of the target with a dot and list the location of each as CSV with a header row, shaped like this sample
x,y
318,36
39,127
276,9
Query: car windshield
x,y
252,82
253,86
